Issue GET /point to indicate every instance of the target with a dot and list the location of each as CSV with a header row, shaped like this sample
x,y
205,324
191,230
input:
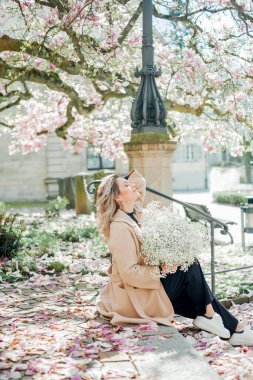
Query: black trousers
x,y
189,294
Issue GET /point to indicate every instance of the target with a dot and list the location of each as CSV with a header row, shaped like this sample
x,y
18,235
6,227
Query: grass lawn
x,y
18,205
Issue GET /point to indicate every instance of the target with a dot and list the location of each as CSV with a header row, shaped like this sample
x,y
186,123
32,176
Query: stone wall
x,y
225,179
33,177
21,177
189,176
189,169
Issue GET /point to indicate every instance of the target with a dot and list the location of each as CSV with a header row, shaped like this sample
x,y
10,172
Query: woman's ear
x,y
117,200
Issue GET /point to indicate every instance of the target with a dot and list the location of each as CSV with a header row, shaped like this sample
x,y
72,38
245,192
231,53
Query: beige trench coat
x,y
133,294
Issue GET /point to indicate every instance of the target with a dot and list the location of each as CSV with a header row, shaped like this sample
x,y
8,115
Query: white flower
x,y
171,239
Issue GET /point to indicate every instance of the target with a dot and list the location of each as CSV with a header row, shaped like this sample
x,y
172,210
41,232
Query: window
x,y
191,152
96,162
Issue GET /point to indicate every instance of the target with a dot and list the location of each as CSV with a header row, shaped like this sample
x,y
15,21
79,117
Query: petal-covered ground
x,y
231,363
49,328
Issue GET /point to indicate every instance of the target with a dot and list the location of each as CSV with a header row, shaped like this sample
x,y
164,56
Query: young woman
x,y
133,294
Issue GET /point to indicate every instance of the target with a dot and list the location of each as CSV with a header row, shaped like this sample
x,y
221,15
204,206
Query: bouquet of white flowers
x,y
167,237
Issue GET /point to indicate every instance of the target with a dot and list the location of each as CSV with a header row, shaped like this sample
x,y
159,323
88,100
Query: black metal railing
x,y
211,220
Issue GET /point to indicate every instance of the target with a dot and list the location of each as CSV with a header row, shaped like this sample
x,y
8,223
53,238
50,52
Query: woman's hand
x,y
168,269
164,269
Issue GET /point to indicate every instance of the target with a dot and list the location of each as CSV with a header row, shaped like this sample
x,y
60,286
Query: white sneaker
x,y
213,325
244,338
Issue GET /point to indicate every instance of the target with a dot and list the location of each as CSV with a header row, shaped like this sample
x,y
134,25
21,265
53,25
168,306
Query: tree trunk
x,y
247,157
82,203
67,189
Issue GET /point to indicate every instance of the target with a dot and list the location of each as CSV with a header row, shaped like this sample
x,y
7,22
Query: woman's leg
x,y
229,321
190,294
188,291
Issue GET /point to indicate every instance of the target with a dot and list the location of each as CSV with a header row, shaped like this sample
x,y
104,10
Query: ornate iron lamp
x,y
148,112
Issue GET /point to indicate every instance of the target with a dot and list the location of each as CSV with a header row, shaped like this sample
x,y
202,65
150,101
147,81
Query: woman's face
x,y
127,191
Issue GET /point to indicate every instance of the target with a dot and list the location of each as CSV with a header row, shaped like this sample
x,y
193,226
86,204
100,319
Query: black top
x,y
131,214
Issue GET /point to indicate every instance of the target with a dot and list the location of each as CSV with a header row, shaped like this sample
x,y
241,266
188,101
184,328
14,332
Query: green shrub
x,y
245,287
42,241
36,223
71,234
76,234
47,243
85,271
25,263
20,267
103,274
89,232
9,276
11,230
233,198
57,266
30,235
55,206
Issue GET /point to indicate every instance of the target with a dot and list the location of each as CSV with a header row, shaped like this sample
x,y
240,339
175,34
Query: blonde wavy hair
x,y
106,204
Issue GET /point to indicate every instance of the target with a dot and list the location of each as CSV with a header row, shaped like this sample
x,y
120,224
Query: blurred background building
x,y
35,177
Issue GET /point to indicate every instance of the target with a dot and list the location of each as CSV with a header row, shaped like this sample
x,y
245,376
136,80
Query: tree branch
x,y
15,93
6,125
123,2
185,108
36,50
130,24
53,4
185,17
241,13
62,130
107,94
50,79
15,103
53,81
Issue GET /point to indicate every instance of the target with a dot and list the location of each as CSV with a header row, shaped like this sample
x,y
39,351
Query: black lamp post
x,y
148,113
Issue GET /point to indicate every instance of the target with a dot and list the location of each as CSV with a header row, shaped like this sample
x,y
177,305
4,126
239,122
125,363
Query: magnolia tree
x,y
66,67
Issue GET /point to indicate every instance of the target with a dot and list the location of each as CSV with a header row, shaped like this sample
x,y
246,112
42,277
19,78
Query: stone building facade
x,y
190,166
33,177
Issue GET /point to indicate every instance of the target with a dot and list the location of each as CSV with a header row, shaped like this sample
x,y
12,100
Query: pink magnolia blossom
x,y
204,69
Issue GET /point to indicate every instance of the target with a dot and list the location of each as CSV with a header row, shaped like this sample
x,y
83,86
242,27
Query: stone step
x,y
173,359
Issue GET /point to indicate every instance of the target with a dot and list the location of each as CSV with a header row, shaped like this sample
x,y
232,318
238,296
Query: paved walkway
x,y
218,211
50,330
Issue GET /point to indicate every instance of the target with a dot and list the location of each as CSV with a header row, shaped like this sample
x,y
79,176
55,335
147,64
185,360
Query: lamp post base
x,y
162,130
153,159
